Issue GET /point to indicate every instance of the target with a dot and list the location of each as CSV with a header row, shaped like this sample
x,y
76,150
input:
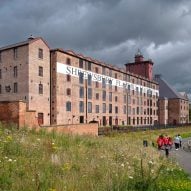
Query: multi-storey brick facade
x,y
25,75
173,106
84,90
63,87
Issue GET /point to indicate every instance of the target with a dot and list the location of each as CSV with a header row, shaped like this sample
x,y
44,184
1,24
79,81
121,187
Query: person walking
x,y
180,140
160,142
177,142
167,144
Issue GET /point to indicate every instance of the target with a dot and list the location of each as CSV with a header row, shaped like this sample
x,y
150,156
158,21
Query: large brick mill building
x,y
64,87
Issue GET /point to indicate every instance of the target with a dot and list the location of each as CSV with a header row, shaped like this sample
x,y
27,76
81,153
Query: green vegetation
x,y
32,160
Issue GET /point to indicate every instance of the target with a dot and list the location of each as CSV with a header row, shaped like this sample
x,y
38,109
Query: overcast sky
x,y
108,30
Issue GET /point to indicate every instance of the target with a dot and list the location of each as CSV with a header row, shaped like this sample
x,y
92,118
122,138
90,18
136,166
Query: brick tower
x,y
140,66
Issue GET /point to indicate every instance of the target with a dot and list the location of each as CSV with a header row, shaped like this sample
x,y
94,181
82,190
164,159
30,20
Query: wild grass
x,y
32,160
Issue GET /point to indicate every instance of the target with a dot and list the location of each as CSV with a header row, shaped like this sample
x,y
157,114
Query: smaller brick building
x,y
173,106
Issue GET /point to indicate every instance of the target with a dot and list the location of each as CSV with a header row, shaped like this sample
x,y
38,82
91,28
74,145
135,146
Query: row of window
x,y
15,88
8,88
88,66
137,111
15,72
15,54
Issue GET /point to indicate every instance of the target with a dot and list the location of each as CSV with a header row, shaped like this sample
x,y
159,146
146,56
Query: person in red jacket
x,y
167,144
160,142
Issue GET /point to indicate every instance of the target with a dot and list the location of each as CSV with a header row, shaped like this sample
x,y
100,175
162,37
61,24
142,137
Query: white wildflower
x,y
10,160
129,167
152,171
130,177
38,139
122,165
6,157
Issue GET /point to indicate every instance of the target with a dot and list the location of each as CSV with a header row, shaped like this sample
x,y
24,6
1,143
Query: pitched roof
x,y
23,43
166,90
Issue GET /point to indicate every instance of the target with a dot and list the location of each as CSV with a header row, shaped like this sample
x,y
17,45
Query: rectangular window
x,y
89,66
129,110
40,88
81,64
104,95
116,75
103,70
81,107
89,80
96,70
89,107
15,53
129,99
89,93
97,84
68,92
0,57
116,98
116,109
81,78
40,53
68,78
137,110
110,108
0,74
103,83
0,89
116,88
40,118
125,98
40,71
124,109
110,96
15,89
110,73
68,61
97,108
81,92
104,108
97,96
68,106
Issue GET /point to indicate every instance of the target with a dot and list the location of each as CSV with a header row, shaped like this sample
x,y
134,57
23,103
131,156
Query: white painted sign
x,y
76,72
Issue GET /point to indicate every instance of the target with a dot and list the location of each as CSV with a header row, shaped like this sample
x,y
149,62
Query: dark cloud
x,y
110,30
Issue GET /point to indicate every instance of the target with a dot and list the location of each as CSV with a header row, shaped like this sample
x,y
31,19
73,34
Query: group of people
x,y
166,143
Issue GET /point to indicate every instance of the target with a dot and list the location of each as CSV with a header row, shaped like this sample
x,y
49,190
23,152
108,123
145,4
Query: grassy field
x,y
32,160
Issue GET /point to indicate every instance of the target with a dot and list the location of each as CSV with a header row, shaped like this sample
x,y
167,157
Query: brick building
x,y
64,87
173,105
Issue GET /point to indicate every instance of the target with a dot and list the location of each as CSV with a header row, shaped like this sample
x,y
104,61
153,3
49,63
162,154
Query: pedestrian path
x,y
183,157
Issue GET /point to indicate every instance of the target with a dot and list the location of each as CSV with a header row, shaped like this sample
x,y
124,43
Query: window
x,y
81,78
68,78
116,88
125,98
89,66
40,118
15,53
40,88
116,75
68,92
0,57
0,74
15,89
110,108
110,96
103,70
68,61
89,107
40,53
110,73
129,110
103,83
104,107
129,99
124,109
40,71
89,93
97,84
81,106
97,108
97,96
0,89
116,98
81,63
103,95
137,110
68,106
96,70
81,92
116,109
89,80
